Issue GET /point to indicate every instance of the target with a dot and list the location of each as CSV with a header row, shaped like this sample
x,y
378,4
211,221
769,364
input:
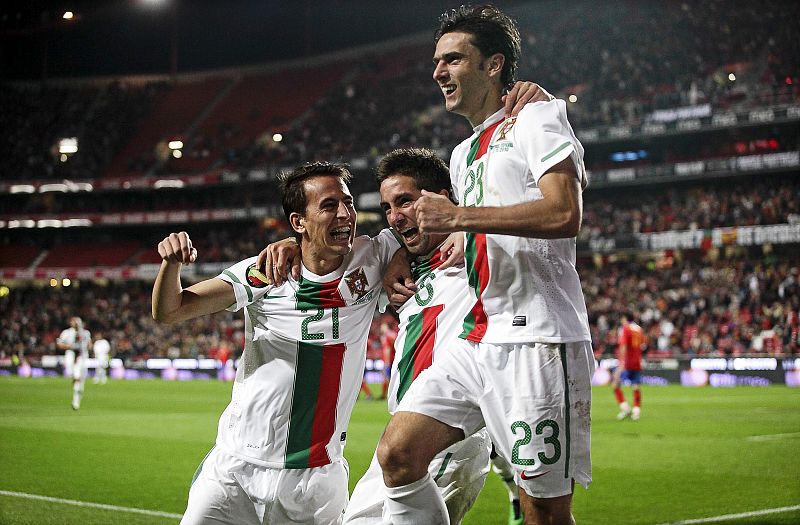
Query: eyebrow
x,y
448,56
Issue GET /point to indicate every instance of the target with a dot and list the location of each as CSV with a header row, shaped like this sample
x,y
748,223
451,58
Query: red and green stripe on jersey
x,y
475,253
312,294
421,267
417,347
316,394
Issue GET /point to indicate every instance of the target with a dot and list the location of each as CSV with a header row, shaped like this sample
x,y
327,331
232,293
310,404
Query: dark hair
x,y
492,32
428,171
291,184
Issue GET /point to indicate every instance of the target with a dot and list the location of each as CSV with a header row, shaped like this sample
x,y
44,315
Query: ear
x,y
297,222
495,65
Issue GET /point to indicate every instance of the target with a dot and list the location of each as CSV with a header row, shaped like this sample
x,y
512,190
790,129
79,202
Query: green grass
x,y
137,444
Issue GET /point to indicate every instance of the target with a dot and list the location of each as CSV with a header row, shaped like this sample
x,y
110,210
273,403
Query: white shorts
x,y
460,472
74,365
69,362
534,399
228,490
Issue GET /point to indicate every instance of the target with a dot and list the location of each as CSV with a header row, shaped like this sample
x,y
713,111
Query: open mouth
x,y
409,234
341,234
448,89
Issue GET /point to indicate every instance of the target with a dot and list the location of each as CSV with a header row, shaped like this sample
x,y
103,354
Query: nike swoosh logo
x,y
526,477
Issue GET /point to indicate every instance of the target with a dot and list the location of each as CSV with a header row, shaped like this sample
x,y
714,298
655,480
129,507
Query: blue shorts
x,y
634,377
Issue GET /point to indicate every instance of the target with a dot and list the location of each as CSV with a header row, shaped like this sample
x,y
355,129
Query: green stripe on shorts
x,y
563,352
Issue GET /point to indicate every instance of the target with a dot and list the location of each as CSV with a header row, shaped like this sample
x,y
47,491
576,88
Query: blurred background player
x,y
75,343
629,369
102,350
388,336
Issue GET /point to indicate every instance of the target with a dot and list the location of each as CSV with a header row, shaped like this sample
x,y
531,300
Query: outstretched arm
x,y
171,302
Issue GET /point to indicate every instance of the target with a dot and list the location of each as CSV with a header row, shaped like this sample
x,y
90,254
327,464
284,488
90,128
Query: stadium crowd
x,y
769,200
666,55
721,308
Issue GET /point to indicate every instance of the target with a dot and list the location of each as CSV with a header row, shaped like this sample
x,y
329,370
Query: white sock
x,y
624,406
418,503
506,473
76,395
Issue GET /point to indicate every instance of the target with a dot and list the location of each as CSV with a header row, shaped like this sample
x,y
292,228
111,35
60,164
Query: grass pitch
x,y
696,453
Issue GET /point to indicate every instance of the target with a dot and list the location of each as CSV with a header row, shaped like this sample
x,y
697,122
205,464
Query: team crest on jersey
x,y
357,283
506,127
255,278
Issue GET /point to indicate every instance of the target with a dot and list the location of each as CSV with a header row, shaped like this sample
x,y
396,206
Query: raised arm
x,y
171,302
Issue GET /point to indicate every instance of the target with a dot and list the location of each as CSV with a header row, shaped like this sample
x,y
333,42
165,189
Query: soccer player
x,y
278,454
101,349
629,368
75,342
428,323
525,363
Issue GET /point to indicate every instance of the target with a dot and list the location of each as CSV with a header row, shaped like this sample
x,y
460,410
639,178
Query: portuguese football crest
x,y
357,283
255,278
507,125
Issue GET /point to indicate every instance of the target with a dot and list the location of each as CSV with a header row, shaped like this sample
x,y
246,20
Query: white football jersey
x,y
528,289
428,321
78,340
305,345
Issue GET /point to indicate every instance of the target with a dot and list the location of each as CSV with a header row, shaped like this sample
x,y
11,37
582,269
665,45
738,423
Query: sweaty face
x,y
398,195
460,71
329,224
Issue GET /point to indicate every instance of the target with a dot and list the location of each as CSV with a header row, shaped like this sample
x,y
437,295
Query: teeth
x,y
448,89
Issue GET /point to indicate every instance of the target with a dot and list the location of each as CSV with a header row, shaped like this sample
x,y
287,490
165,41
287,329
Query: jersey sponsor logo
x,y
357,283
519,320
255,278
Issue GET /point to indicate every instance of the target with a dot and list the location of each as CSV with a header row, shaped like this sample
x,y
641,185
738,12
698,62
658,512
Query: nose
x,y
440,71
395,218
343,210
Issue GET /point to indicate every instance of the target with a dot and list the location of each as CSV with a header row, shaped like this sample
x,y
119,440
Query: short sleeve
x,y
249,284
386,244
546,138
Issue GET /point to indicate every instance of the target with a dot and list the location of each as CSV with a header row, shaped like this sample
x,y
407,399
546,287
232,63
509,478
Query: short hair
x,y
492,32
292,184
428,171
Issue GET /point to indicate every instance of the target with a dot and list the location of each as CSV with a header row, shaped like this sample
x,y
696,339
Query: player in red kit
x,y
629,355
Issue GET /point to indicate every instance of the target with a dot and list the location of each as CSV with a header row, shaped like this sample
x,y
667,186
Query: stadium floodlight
x,y
4,291
731,77
49,223
22,223
53,282
168,183
277,137
573,98
57,186
70,223
66,281
177,153
175,144
68,15
22,188
68,145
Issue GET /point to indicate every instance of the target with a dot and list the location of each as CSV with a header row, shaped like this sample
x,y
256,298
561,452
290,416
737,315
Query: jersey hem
x,y
271,464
